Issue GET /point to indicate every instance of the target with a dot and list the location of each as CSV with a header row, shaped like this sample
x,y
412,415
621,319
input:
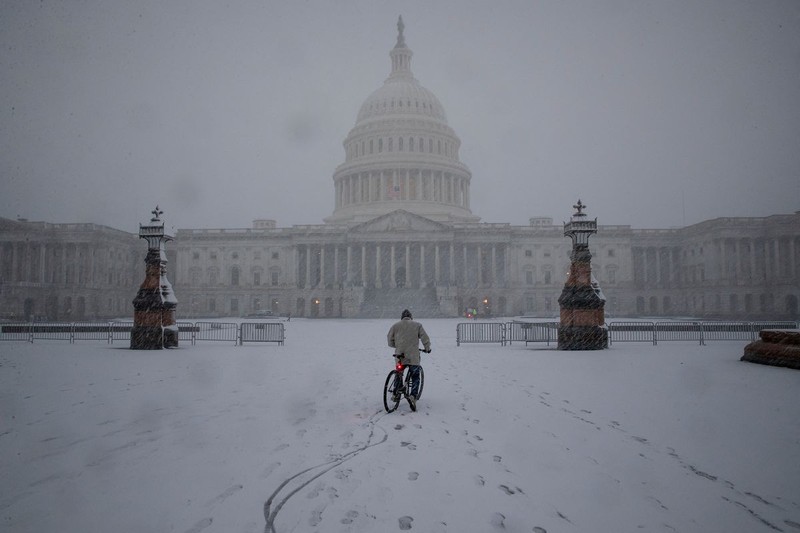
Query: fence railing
x,y
121,331
532,332
481,332
618,331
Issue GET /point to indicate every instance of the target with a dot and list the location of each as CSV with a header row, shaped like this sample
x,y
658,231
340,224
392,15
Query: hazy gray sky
x,y
655,113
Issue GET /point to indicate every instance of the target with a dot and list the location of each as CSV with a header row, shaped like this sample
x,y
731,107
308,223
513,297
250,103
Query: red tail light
x,y
399,366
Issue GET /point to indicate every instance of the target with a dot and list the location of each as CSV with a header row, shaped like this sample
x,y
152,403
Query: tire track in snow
x,y
273,507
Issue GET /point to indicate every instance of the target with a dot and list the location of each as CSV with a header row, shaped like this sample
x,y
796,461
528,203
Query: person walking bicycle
x,y
404,336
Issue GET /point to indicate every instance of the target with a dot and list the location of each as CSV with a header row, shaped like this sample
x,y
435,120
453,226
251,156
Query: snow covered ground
x,y
674,437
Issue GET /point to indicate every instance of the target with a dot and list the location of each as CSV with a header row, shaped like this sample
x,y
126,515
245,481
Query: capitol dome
x,y
401,154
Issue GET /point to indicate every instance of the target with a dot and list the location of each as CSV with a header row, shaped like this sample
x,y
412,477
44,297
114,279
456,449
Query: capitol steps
x,y
389,303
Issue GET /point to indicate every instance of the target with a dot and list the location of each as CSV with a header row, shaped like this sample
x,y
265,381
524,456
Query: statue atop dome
x,y
401,40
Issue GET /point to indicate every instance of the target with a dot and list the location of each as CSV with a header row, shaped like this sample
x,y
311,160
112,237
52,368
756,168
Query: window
x,y
529,277
274,255
400,144
234,306
548,277
257,255
389,144
611,253
380,145
256,278
235,276
195,255
212,255
235,255
528,253
274,278
411,144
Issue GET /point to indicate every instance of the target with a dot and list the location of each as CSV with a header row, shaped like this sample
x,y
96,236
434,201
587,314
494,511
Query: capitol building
x,y
402,235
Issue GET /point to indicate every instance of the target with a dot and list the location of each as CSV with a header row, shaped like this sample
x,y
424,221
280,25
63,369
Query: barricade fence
x,y
261,332
481,332
532,332
121,331
618,331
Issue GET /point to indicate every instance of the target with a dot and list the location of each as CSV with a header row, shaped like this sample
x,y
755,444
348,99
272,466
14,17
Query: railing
x,y
481,332
121,331
631,332
261,332
532,332
218,331
618,331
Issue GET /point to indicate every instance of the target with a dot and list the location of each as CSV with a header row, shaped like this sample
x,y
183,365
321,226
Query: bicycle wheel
x,y
391,396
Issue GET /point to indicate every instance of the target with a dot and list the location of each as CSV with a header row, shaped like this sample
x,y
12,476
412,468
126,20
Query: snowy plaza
x,y
673,437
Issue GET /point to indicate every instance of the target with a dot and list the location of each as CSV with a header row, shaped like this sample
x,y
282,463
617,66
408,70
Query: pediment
x,y
399,221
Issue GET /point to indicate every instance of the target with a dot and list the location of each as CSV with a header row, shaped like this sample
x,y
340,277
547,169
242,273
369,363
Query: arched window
x,y
400,144
380,145
430,146
235,276
411,144
370,146
389,147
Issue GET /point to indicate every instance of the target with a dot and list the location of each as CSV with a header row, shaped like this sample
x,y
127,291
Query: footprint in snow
x,y
498,520
349,517
497,458
405,522
412,476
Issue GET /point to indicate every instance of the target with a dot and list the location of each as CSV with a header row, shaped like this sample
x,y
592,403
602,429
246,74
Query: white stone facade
x,y
402,235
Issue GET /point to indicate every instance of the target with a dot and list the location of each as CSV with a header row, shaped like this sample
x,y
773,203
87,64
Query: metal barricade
x,y
16,332
119,331
531,332
727,331
217,331
758,326
481,332
186,332
262,332
91,331
622,331
59,331
679,331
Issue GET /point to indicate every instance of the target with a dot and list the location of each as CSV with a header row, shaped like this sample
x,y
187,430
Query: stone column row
x,y
435,263
402,184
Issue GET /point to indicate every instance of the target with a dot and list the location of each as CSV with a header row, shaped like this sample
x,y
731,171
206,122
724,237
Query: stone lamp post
x,y
582,302
154,325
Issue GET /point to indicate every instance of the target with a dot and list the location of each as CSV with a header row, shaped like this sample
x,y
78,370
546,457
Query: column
x,y
322,265
437,278
392,279
408,265
452,265
493,270
378,265
423,282
364,265
465,270
335,265
349,268
308,267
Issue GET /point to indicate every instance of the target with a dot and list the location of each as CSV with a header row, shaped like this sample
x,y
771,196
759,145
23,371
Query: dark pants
x,y
413,372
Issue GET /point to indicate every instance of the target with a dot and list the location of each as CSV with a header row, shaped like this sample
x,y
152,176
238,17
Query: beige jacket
x,y
404,336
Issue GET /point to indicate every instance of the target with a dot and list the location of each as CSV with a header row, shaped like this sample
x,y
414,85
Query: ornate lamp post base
x,y
582,325
154,325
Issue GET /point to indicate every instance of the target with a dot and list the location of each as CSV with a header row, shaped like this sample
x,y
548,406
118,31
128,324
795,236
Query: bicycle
x,y
398,386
